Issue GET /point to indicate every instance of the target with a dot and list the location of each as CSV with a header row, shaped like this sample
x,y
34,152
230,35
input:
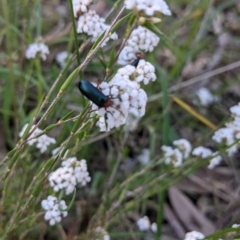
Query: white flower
x,y
172,156
184,146
194,235
142,39
177,158
205,153
43,142
202,152
68,163
80,6
32,138
101,234
145,72
154,227
82,177
168,151
235,110
37,48
61,58
148,7
127,55
67,177
234,125
144,224
93,25
54,210
125,73
235,225
205,97
226,136
215,161
144,157
58,179
230,135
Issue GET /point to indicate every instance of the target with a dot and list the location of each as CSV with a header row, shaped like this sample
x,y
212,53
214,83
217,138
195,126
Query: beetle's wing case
x,y
92,93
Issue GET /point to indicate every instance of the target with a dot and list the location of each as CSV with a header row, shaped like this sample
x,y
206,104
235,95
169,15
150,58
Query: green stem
x,y
40,82
38,18
165,139
75,35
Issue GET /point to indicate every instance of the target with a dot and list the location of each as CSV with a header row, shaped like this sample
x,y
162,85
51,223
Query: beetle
x,y
135,62
94,94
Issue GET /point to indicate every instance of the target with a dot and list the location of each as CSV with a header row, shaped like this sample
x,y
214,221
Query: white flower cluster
x,y
205,97
235,225
37,48
183,151
93,25
61,58
54,209
101,234
145,225
230,135
176,156
141,39
71,173
126,95
80,6
148,7
184,146
194,235
202,152
207,153
144,72
42,142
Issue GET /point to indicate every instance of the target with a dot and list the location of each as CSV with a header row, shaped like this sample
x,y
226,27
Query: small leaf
x,y
155,30
112,58
69,80
97,41
120,22
67,115
103,63
169,44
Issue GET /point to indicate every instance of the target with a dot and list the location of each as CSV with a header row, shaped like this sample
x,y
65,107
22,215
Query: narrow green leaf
x,y
97,42
166,41
68,81
102,62
120,22
112,58
67,116
155,30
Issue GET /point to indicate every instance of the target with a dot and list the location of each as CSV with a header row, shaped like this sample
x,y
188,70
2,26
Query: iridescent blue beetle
x,y
95,95
135,62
